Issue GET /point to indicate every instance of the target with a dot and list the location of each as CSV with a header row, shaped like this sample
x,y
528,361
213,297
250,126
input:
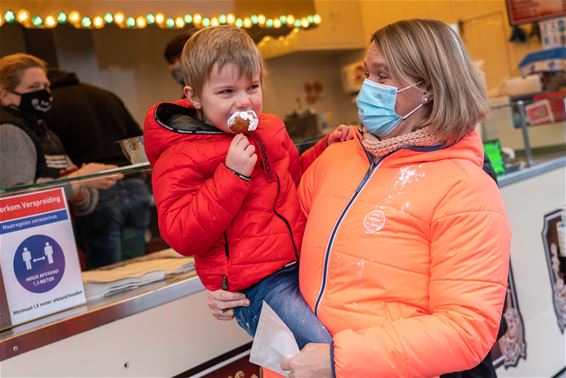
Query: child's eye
x,y
225,91
254,87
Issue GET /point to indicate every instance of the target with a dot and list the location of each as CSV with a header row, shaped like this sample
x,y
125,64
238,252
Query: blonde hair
x,y
219,46
12,69
431,51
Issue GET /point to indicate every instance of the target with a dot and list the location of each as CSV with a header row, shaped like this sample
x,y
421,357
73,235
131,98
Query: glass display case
x,y
530,128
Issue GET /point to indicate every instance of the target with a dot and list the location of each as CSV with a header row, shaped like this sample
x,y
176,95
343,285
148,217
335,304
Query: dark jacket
x,y
89,120
50,153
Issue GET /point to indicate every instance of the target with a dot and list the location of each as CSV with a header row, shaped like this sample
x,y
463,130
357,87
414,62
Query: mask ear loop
x,y
418,107
409,86
412,111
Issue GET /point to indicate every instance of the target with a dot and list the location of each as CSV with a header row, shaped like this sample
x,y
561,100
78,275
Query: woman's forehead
x,y
33,75
375,59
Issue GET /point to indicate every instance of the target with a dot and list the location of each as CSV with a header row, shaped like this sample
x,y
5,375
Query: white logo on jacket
x,y
374,222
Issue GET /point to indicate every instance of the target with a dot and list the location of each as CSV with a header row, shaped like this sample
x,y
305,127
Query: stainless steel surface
x,y
534,171
48,330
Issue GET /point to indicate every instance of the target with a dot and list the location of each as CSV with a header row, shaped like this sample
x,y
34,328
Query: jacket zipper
x,y
285,220
227,251
368,175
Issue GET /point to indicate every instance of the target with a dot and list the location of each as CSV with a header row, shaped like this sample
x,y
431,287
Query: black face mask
x,y
37,102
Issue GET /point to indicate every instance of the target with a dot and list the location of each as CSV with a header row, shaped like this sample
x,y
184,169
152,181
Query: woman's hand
x,y
221,303
104,182
70,169
312,361
341,134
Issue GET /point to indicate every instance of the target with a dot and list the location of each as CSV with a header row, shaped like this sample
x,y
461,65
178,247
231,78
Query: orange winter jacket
x,y
405,260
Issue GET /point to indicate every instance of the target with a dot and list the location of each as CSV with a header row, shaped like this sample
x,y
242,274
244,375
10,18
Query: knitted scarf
x,y
424,137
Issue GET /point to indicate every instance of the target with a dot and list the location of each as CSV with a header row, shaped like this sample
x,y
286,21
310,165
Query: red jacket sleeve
x,y
194,210
299,164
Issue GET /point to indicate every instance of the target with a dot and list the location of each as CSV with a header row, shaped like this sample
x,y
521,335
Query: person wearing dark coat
x,y
90,121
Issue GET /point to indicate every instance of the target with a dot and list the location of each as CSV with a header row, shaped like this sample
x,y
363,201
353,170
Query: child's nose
x,y
243,101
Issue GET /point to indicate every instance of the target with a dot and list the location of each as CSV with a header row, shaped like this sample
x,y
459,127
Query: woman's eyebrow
x,y
380,65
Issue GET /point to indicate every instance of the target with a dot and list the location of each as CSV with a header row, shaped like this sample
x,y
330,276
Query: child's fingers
x,y
249,149
253,159
242,141
236,140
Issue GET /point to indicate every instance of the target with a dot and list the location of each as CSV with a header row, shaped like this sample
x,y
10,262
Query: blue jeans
x,y
281,291
115,230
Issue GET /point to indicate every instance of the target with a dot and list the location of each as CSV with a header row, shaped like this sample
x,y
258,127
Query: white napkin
x,y
273,341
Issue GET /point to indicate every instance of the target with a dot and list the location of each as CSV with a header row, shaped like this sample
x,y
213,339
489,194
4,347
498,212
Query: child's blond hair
x,y
219,46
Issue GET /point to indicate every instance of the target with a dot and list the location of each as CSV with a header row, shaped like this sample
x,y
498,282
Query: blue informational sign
x,y
39,263
40,267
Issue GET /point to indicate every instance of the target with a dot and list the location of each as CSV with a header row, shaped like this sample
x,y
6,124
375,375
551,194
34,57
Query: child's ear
x,y
191,96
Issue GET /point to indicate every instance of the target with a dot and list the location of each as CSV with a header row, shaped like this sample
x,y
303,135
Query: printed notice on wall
x,y
38,255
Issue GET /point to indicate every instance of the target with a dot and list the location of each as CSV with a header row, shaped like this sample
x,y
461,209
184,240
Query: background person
x,y
411,273
30,151
172,55
90,121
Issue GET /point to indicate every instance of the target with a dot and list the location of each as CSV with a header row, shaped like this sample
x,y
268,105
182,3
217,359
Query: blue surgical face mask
x,y
376,107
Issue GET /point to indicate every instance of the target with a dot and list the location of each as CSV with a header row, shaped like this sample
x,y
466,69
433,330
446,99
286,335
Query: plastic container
x,y
133,149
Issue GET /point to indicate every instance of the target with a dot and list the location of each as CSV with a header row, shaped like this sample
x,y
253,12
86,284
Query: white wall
x,y
129,63
286,77
546,345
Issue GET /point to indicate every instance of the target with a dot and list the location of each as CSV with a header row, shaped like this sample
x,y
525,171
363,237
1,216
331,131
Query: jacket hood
x,y
61,78
169,123
470,148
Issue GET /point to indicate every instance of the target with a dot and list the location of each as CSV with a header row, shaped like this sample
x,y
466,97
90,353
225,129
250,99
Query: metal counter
x,y
533,171
41,332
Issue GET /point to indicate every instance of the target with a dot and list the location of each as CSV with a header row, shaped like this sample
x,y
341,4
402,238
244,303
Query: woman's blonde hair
x,y
218,45
12,69
431,51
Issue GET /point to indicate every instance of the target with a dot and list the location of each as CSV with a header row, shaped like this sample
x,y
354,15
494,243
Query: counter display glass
x,y
530,128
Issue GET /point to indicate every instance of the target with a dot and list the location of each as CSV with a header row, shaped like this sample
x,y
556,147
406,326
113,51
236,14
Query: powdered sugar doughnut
x,y
241,122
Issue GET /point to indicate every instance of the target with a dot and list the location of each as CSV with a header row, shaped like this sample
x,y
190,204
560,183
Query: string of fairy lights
x,y
28,20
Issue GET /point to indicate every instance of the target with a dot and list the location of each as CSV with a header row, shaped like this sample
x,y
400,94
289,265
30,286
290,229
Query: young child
x,y
229,199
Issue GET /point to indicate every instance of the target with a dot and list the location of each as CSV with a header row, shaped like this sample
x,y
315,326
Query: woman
x,y
30,151
406,248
